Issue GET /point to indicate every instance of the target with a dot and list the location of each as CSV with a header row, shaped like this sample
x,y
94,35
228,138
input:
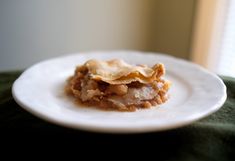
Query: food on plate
x,y
117,85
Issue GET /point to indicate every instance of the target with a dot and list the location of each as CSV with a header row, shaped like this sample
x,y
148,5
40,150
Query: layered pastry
x,y
116,85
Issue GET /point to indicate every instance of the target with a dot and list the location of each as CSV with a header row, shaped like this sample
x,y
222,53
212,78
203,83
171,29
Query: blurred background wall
x,y
34,30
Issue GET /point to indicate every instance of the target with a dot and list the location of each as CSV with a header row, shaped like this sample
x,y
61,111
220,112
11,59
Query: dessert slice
x,y
116,85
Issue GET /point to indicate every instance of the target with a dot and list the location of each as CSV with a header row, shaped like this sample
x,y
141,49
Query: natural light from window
x,y
226,62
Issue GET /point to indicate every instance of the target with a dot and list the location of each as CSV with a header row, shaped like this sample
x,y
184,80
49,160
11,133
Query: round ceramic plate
x,y
195,93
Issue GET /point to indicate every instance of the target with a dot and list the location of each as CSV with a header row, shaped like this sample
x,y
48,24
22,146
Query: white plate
x,y
195,93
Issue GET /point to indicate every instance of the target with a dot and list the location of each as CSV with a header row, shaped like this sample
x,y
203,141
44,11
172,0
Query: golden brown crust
x,y
119,72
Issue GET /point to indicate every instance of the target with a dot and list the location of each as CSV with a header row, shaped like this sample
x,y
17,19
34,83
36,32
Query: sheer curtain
x,y
213,39
226,61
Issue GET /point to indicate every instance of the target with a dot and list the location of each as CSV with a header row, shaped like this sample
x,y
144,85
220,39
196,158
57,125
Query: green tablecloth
x,y
212,138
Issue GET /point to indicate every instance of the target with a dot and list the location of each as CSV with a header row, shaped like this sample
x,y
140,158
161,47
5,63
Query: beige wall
x,y
172,22
33,30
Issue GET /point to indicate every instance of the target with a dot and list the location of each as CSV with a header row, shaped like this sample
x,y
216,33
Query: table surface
x,y
212,138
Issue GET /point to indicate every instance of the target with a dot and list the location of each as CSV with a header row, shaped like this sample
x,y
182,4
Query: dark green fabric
x,y
212,138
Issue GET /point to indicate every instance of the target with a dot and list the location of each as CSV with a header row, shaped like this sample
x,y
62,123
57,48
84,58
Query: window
x,y
213,43
226,62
